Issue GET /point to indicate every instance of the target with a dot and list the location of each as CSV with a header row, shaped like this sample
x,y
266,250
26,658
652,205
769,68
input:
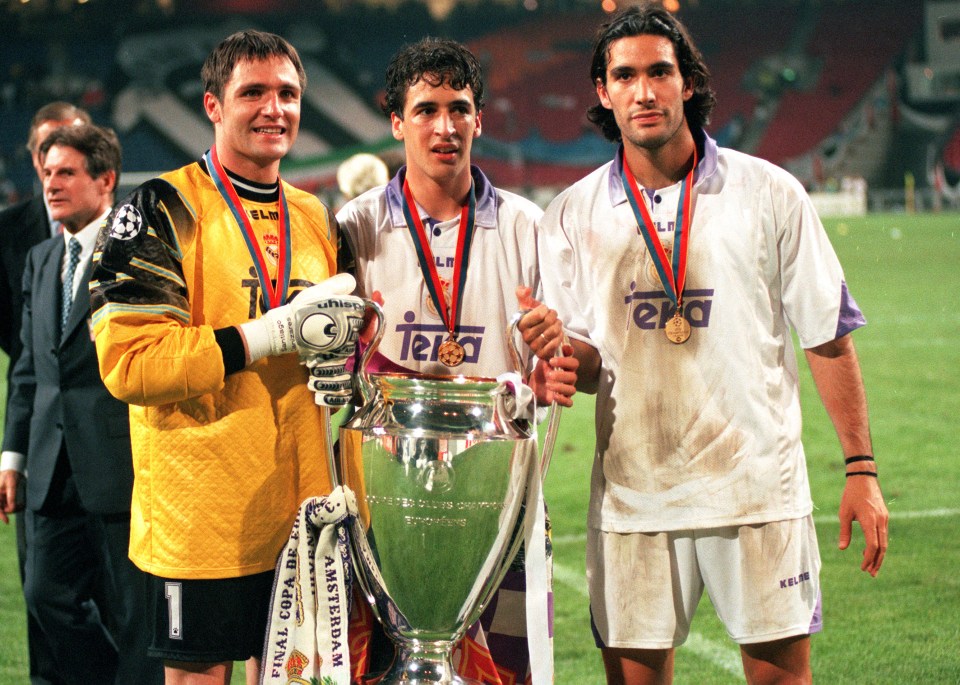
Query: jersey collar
x,y
706,167
486,216
247,189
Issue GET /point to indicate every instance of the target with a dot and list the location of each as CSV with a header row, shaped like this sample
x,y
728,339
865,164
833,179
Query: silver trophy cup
x,y
439,469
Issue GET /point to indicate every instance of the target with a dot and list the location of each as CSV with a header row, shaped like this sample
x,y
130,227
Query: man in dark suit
x,y
22,226
25,224
75,436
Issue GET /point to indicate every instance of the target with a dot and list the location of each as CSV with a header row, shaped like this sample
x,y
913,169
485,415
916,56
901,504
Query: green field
x,y
900,628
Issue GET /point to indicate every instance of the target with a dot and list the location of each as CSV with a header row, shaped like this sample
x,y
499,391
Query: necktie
x,y
67,299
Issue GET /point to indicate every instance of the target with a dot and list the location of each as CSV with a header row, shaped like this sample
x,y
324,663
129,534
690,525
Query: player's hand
x,y
863,502
320,318
9,481
555,380
540,327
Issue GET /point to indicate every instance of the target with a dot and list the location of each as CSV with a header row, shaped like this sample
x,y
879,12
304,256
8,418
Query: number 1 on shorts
x,y
174,594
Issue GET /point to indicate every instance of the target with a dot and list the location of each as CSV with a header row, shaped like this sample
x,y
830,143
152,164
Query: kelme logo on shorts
x,y
795,580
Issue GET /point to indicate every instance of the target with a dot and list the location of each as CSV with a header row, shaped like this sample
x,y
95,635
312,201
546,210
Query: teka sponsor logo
x,y
795,580
258,305
421,341
654,309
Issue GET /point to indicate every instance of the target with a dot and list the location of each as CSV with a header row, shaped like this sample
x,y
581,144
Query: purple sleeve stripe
x,y
851,318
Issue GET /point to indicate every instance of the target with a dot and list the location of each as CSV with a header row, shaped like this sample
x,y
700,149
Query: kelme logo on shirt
x,y
421,342
127,223
654,309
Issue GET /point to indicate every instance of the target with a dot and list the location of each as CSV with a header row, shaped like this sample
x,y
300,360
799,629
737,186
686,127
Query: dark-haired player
x,y
679,269
453,258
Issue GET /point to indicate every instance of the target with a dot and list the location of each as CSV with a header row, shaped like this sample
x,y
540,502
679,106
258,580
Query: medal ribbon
x,y
674,278
274,295
451,316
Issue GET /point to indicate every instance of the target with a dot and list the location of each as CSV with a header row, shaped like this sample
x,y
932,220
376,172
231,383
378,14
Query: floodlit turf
x,y
899,628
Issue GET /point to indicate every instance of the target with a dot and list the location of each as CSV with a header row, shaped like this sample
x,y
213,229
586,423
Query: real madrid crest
x,y
271,247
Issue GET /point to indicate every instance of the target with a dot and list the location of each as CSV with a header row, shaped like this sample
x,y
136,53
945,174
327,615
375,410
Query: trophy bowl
x,y
439,470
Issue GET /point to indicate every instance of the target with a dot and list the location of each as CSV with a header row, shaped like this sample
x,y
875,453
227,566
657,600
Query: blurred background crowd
x,y
860,97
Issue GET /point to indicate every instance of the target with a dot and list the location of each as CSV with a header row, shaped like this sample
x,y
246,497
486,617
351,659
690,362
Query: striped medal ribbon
x,y
451,352
672,271
274,291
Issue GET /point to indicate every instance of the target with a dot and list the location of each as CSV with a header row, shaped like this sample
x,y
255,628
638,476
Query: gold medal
x,y
677,329
451,353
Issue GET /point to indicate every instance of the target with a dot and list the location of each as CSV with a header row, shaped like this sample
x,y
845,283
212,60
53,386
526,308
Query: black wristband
x,y
862,473
850,460
231,348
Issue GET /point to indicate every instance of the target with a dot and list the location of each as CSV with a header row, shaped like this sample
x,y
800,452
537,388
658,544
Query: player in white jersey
x,y
452,259
503,254
679,269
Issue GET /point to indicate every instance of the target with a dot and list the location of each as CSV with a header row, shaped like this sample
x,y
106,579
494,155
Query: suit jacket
x,y
57,398
22,226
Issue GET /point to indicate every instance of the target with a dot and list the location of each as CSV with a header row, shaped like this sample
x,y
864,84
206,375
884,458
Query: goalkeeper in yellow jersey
x,y
207,277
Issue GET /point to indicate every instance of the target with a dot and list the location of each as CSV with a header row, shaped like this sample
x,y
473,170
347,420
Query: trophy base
x,y
419,667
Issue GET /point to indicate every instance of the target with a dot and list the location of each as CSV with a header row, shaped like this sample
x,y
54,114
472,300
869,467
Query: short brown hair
x,y
436,61
245,45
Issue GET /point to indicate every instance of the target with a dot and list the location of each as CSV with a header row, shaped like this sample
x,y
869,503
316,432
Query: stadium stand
x,y
846,74
141,78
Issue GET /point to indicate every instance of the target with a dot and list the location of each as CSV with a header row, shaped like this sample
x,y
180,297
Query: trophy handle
x,y
553,420
362,384
362,378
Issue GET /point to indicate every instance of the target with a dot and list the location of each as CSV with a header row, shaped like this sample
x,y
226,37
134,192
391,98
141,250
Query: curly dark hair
x,y
245,45
436,61
652,19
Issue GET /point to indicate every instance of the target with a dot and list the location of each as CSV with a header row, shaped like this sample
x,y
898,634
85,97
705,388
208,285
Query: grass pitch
x,y
899,628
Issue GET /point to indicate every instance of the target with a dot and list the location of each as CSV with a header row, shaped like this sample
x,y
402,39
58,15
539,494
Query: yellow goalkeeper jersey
x,y
221,462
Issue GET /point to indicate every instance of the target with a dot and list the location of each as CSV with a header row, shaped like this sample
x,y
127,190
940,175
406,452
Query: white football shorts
x,y
763,580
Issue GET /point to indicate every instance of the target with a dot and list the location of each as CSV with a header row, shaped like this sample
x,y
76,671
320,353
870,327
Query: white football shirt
x,y
503,256
706,433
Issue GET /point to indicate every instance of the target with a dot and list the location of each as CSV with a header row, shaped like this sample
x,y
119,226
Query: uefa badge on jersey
x,y
127,223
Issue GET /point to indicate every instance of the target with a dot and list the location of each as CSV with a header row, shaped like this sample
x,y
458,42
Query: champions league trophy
x,y
440,470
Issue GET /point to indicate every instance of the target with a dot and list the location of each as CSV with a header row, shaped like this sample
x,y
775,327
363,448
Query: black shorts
x,y
210,620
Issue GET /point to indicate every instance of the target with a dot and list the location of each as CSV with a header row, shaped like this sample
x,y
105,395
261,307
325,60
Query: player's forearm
x,y
836,372
588,372
154,364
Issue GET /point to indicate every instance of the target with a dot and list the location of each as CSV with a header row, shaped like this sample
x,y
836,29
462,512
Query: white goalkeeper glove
x,y
322,319
330,382
326,337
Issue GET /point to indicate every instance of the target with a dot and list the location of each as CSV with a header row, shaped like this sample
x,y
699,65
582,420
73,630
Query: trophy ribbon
x,y
273,294
451,352
672,268
539,638
307,627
